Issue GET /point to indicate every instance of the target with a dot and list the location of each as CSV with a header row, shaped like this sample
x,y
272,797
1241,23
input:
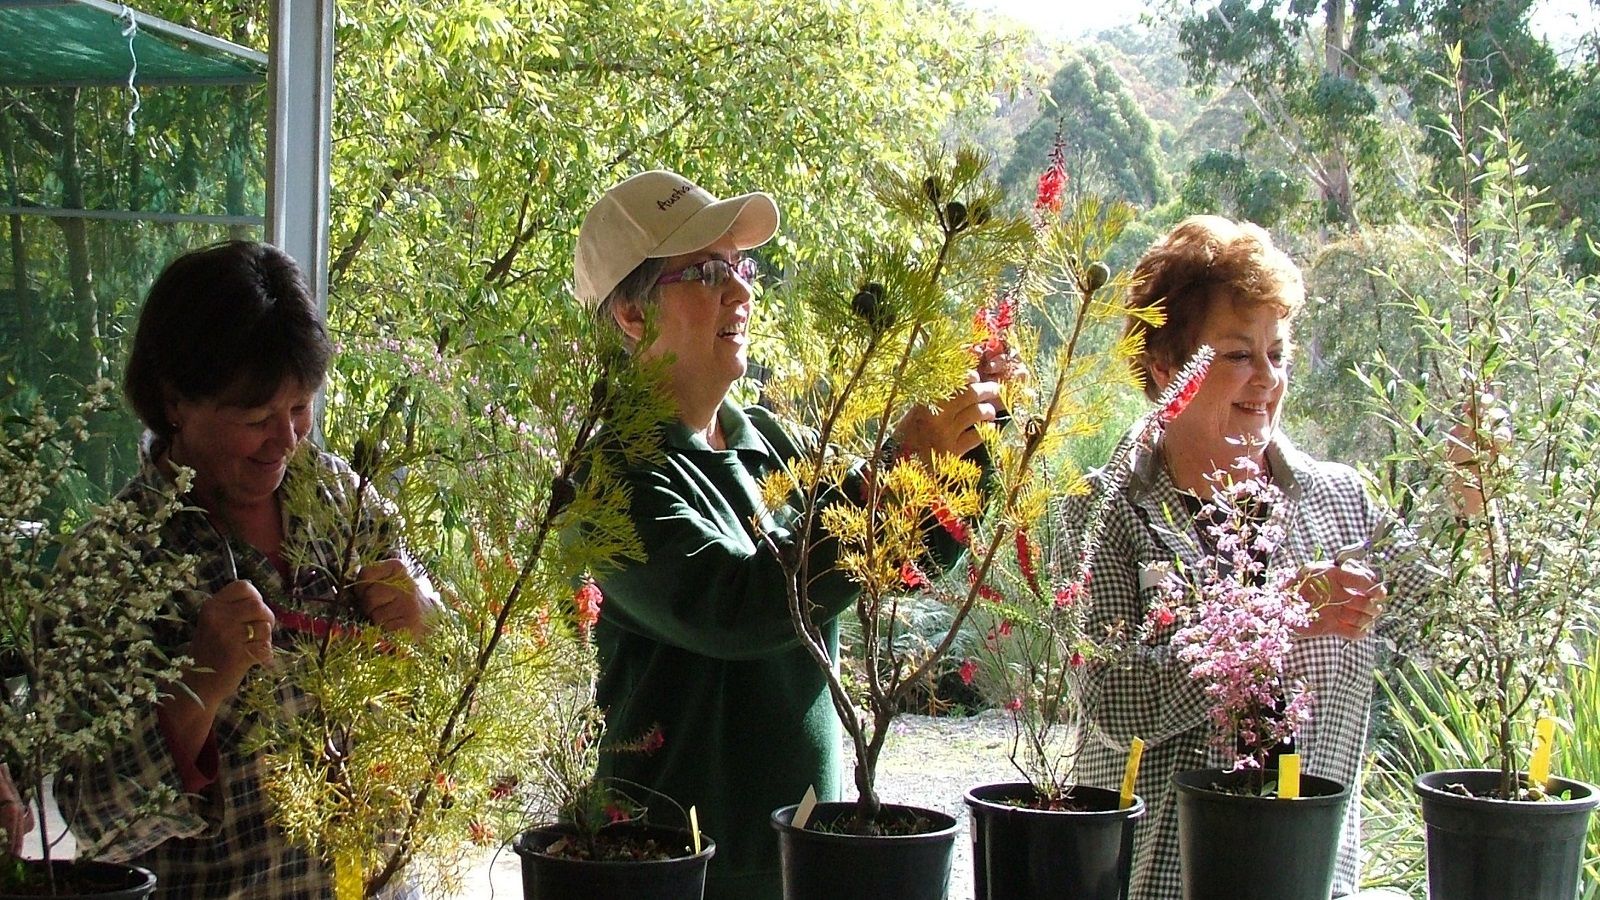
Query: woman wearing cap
x,y
695,639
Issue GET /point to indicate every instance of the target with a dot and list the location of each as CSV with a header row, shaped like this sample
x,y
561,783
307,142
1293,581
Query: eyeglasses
x,y
713,272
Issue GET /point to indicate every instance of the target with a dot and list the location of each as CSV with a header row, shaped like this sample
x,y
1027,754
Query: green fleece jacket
x,y
696,640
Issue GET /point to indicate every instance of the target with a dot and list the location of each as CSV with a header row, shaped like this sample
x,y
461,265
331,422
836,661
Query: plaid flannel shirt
x,y
1146,693
221,842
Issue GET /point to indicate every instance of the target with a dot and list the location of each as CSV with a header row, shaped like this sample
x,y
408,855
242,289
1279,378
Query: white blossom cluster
x,y
78,610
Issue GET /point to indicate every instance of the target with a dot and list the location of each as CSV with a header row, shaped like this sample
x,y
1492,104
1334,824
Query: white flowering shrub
x,y
1506,438
76,609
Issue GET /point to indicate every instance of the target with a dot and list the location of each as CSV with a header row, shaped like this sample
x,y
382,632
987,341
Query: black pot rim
x,y
708,847
1024,789
146,879
1184,782
1552,805
782,819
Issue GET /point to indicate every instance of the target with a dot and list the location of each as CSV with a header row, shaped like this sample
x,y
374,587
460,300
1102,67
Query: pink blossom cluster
x,y
1236,621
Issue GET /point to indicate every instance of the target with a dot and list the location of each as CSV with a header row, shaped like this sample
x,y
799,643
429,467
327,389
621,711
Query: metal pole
x,y
299,140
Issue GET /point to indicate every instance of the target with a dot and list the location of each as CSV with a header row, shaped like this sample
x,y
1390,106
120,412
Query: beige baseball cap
x,y
656,214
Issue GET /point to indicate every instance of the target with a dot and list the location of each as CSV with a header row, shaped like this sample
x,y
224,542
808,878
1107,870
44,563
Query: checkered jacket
x,y
1148,694
219,844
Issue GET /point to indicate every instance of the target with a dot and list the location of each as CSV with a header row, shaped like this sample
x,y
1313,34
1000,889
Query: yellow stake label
x,y
1131,772
1544,738
694,829
1289,776
349,882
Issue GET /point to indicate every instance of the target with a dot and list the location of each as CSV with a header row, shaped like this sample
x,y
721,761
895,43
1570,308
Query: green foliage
x,y
1508,503
414,750
1431,725
1227,184
1110,145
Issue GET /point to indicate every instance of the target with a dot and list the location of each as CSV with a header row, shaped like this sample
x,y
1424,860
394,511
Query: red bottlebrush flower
x,y
950,522
911,576
481,834
502,787
1054,179
995,321
1069,595
616,812
969,669
653,741
1162,616
1176,398
1025,560
1077,659
1051,184
985,591
587,600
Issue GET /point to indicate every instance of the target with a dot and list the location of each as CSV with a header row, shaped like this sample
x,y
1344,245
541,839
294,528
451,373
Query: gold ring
x,y
249,632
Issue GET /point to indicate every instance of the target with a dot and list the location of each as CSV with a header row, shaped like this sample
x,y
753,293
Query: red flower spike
x,y
587,600
950,522
653,741
1014,704
969,669
1077,659
615,813
1053,180
1005,628
1178,394
911,576
1069,595
1026,562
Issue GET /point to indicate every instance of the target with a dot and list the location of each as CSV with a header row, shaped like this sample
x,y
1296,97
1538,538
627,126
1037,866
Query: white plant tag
x,y
1151,574
808,803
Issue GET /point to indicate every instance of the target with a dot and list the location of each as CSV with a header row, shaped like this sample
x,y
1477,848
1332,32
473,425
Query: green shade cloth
x,y
62,43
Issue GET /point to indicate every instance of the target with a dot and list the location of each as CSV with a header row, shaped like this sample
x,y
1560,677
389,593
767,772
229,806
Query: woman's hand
x,y
391,599
1347,598
233,634
15,817
952,427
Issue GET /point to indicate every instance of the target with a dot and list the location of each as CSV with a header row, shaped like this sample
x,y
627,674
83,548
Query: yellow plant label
x,y
1289,776
694,829
1131,773
348,883
1544,738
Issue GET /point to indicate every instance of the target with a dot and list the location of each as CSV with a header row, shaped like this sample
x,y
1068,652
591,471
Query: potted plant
x,y
602,838
73,636
1044,835
1501,446
414,752
1259,828
873,335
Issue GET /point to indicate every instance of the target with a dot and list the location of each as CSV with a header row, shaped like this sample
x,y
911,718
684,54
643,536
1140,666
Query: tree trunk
x,y
95,456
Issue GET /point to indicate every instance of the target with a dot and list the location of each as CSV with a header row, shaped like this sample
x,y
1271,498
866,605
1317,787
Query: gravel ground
x,y
928,762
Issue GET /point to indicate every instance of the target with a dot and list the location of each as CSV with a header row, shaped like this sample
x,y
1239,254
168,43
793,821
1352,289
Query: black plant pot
x,y
92,880
1240,847
1485,849
1020,853
556,878
822,865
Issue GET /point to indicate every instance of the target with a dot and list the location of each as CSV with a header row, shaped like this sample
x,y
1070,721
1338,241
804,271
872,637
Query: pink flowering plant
x,y
1231,618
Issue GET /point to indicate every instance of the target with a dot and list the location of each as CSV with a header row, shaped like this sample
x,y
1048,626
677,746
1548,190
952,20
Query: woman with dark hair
x,y
229,353
1224,284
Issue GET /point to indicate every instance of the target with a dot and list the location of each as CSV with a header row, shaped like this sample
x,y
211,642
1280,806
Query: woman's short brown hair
x,y
1203,259
230,322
